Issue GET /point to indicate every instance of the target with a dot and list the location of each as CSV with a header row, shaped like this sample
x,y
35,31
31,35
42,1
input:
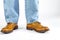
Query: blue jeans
x,y
11,10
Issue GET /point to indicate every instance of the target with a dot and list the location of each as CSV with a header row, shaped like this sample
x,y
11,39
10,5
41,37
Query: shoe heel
x,y
29,28
16,27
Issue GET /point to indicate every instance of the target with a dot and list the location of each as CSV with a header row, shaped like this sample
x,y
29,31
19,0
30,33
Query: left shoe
x,y
37,27
9,28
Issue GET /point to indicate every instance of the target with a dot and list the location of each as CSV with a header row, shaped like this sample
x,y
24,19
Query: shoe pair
x,y
31,26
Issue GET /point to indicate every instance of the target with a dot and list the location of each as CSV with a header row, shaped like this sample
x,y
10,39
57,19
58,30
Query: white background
x,y
49,14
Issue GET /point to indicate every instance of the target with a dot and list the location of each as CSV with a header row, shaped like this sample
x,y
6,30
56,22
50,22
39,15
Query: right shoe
x,y
37,27
9,28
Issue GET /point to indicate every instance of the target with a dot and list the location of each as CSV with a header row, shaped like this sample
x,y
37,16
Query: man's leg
x,y
31,10
11,9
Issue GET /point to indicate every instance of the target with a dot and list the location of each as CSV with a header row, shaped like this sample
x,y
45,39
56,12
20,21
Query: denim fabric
x,y
11,10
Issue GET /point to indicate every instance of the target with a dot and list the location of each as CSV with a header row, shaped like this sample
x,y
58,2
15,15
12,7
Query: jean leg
x,y
11,10
31,10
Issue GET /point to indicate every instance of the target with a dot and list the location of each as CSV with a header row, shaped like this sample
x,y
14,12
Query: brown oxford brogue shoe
x,y
37,27
9,28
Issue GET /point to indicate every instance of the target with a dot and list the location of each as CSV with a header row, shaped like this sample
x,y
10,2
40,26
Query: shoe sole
x,y
42,31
